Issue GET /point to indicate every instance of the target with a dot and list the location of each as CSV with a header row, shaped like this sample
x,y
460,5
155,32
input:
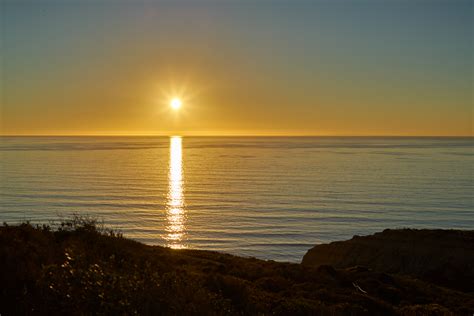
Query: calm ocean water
x,y
268,197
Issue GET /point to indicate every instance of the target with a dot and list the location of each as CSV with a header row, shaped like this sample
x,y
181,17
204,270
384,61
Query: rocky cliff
x,y
443,257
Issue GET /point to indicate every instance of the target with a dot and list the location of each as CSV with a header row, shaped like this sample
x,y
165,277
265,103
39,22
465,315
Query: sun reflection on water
x,y
175,214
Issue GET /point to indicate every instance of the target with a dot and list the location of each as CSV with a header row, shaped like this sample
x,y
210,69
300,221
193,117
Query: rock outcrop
x,y
443,257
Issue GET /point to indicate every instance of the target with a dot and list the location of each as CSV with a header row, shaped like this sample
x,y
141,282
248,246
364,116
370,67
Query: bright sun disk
x,y
175,103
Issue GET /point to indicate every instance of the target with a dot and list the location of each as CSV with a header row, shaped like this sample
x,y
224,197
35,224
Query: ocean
x,y
266,197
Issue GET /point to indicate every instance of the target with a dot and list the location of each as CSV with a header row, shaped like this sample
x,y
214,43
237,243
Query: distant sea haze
x,y
268,197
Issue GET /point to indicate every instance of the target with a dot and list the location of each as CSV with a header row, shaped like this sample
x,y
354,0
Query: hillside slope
x,y
81,270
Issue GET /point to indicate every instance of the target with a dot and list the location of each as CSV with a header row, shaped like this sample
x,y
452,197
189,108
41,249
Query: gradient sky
x,y
330,67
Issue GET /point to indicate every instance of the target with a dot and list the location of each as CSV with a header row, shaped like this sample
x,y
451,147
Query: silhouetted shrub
x,y
79,268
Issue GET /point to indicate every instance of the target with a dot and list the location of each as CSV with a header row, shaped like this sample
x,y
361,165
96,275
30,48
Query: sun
x,y
175,103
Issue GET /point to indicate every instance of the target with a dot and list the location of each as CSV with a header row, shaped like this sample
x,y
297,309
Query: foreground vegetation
x,y
80,268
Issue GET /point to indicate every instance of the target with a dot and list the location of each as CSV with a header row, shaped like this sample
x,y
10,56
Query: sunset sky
x,y
239,67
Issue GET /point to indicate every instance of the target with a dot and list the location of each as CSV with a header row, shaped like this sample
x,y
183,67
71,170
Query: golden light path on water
x,y
175,213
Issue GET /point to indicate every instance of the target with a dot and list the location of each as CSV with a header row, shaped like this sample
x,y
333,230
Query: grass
x,y
82,268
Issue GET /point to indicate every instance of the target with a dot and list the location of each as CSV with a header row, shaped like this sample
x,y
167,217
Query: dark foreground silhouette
x,y
81,269
443,257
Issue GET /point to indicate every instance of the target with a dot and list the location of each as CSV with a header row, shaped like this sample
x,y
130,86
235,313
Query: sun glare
x,y
175,211
175,103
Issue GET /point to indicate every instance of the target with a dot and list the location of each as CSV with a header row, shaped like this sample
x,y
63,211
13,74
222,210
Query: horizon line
x,y
229,135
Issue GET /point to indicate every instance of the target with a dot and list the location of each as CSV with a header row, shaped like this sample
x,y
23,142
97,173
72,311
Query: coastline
x,y
83,269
